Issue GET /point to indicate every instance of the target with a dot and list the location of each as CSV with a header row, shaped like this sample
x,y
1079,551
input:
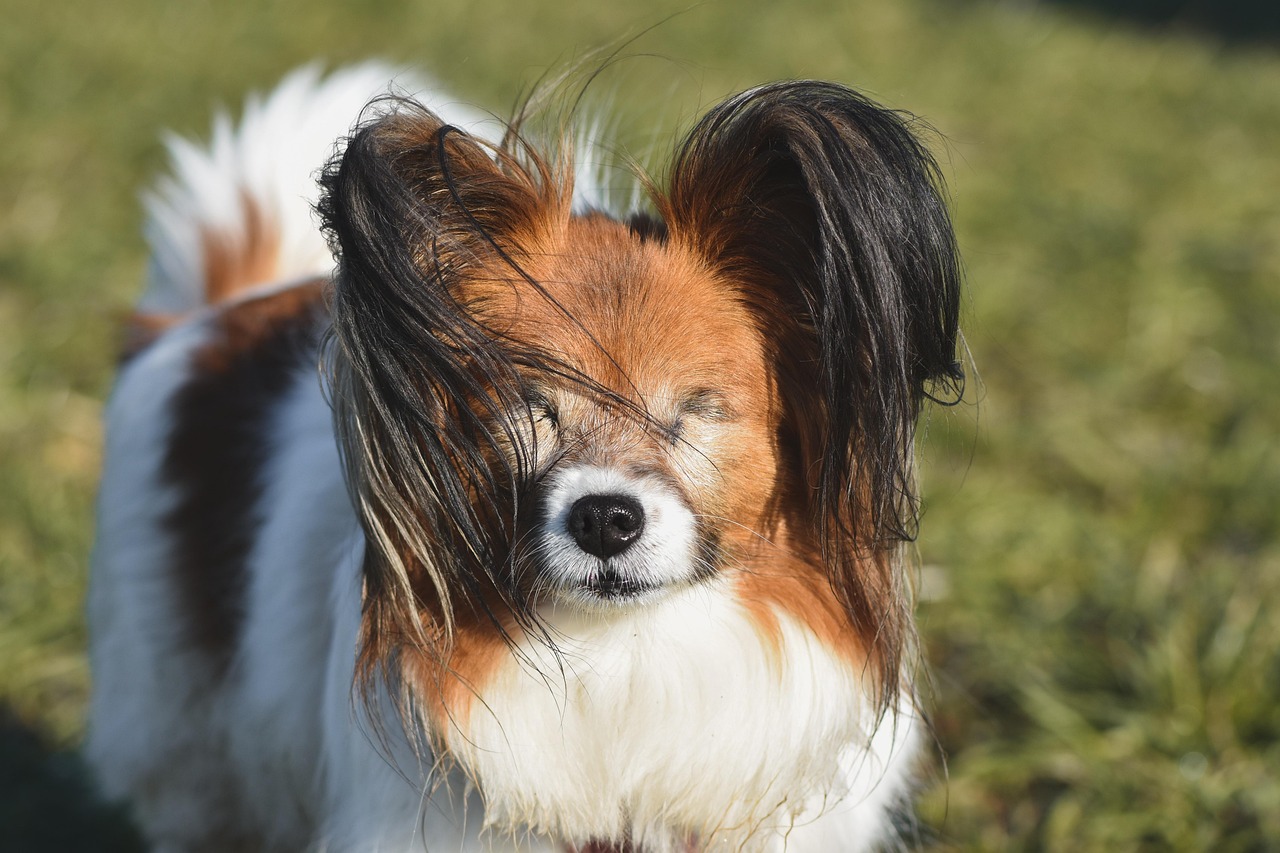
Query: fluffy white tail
x,y
239,212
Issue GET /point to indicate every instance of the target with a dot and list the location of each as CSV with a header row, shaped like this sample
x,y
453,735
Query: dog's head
x,y
547,410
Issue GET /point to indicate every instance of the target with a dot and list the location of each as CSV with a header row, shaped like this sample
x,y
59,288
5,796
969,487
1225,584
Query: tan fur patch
x,y
232,265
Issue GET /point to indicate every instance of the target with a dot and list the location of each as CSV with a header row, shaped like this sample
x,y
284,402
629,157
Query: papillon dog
x,y
450,506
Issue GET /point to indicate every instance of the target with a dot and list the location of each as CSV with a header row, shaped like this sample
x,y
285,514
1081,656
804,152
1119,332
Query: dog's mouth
x,y
610,585
606,587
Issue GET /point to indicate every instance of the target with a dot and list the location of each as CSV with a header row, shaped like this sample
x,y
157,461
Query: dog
x,y
448,506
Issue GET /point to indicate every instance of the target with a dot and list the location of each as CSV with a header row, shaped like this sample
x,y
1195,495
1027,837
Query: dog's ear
x,y
412,190
828,211
414,208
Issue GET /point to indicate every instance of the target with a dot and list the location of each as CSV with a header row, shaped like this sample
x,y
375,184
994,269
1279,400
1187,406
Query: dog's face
x,y
544,409
657,450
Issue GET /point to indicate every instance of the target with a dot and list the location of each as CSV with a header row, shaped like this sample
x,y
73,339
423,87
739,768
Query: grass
x,y
1101,518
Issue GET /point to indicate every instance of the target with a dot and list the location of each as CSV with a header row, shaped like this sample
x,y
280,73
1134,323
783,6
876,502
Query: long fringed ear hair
x,y
829,212
423,393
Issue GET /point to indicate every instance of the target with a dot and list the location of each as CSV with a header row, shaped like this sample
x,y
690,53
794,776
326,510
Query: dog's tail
x,y
237,213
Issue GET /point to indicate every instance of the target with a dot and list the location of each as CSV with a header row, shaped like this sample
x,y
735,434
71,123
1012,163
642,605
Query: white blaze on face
x,y
661,548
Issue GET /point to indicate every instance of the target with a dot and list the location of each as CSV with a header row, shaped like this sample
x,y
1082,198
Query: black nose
x,y
605,525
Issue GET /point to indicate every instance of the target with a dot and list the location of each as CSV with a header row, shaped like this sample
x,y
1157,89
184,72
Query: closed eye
x,y
707,404
542,410
704,404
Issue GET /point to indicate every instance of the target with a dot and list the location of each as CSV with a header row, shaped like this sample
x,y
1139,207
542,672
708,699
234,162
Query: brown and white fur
x,y
532,524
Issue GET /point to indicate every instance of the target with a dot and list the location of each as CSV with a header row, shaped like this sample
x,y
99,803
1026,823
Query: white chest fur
x,y
681,720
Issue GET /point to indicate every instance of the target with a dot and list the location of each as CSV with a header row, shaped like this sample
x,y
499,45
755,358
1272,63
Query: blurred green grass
x,y
1100,520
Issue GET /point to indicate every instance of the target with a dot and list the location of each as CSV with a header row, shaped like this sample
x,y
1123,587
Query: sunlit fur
x,y
734,376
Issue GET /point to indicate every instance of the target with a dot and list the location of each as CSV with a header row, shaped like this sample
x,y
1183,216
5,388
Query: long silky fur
x,y
422,395
832,210
426,398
